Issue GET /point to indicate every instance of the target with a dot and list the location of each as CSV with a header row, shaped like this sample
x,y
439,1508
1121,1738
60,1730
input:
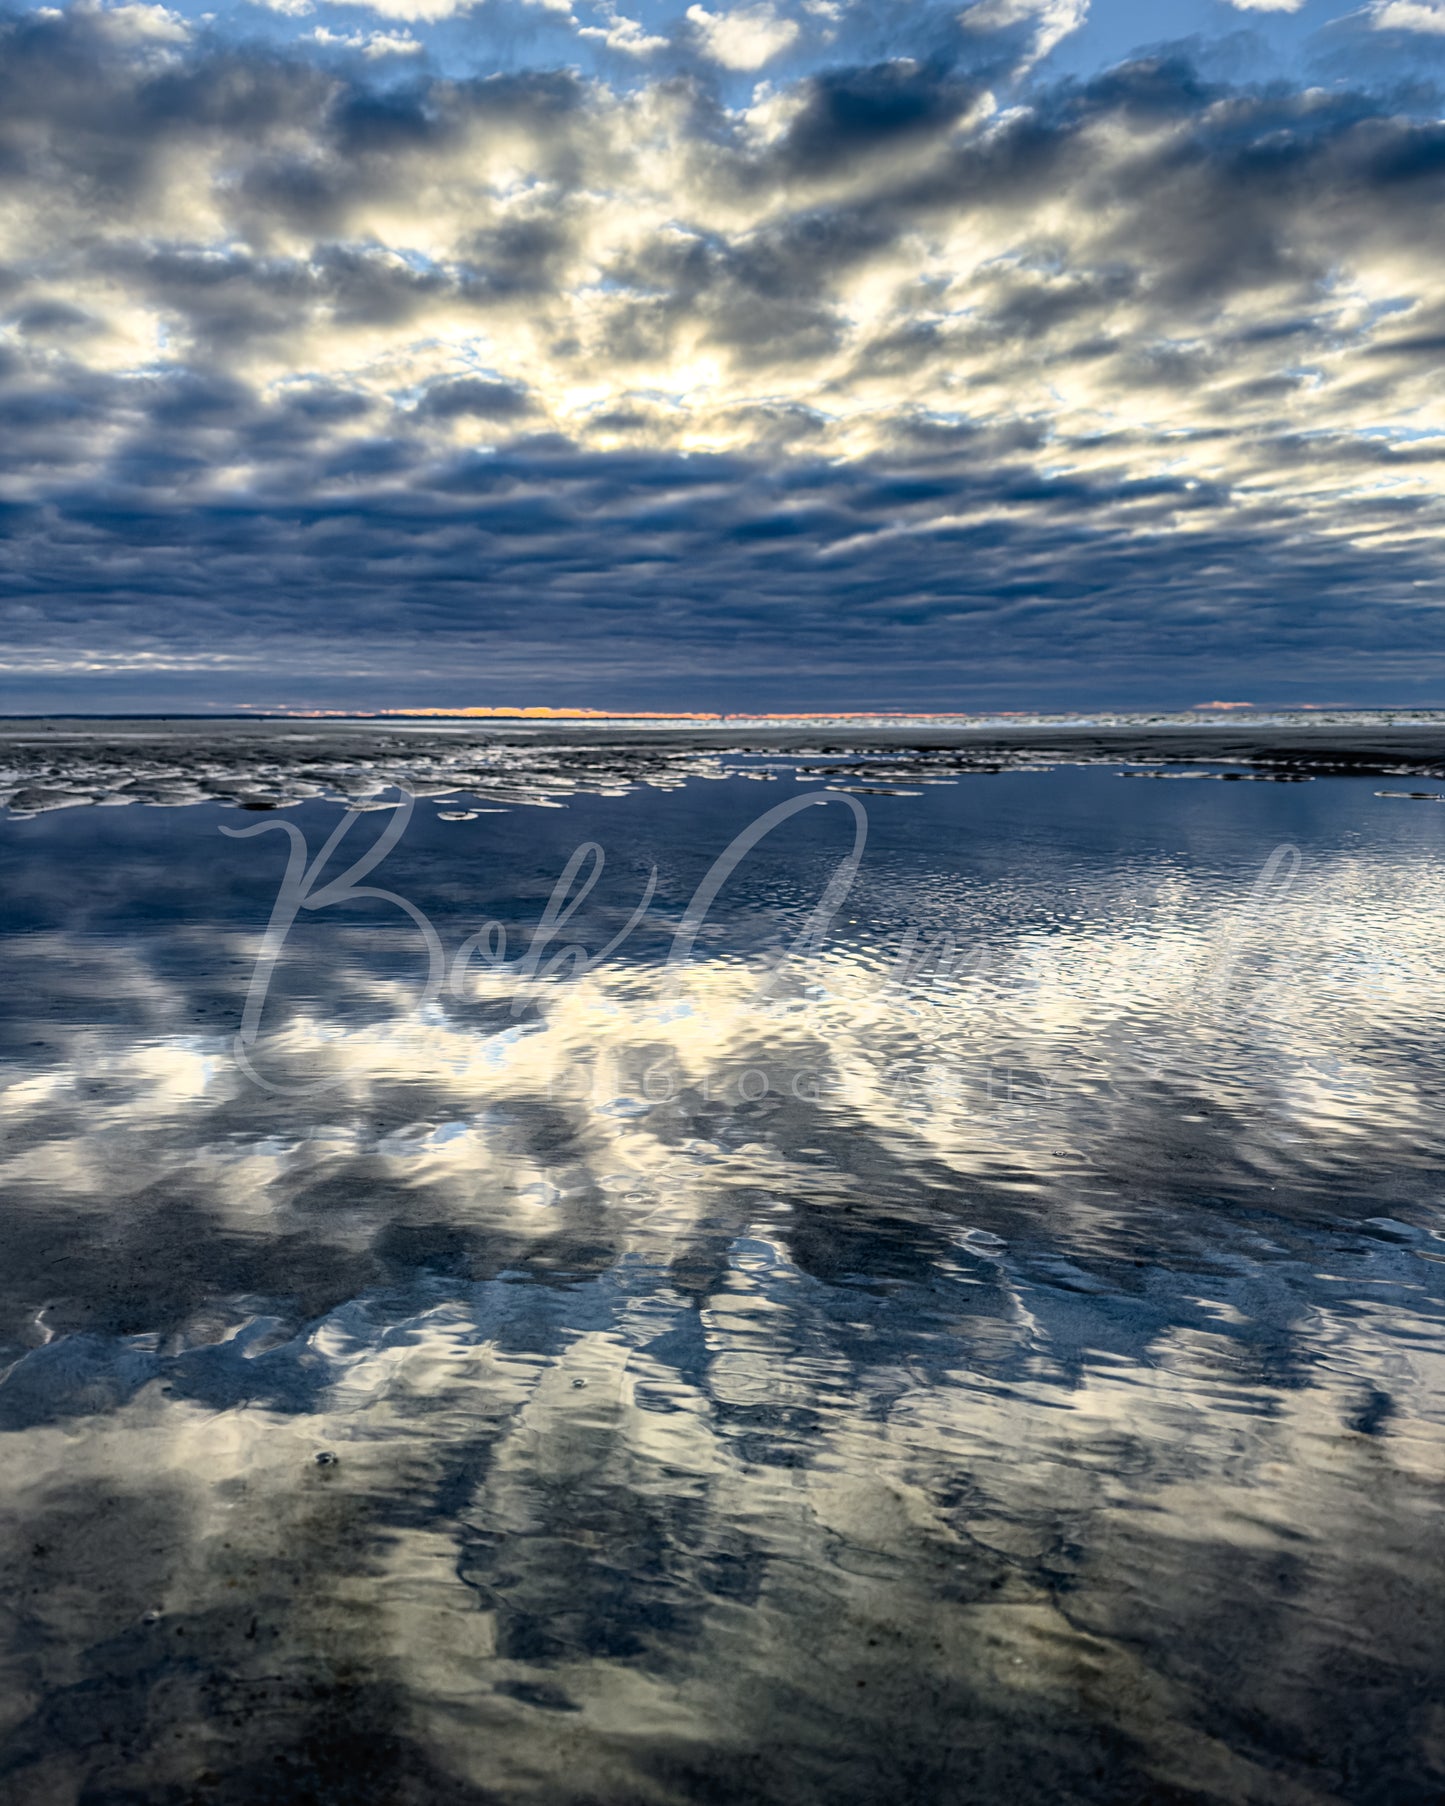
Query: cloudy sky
x,y
798,353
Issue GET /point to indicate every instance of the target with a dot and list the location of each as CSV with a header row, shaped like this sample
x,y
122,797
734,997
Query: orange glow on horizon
x,y
541,712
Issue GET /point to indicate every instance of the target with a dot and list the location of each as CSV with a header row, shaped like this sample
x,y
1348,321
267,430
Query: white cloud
x,y
1267,6
1409,15
369,43
745,39
413,12
146,24
1053,21
621,34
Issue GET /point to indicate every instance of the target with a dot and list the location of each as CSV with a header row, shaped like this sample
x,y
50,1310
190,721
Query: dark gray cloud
x,y
472,396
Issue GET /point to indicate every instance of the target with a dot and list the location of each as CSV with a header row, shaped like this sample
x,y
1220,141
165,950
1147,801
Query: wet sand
x,y
47,764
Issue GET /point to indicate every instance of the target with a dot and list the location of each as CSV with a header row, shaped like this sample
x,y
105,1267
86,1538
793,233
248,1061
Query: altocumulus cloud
x,y
736,379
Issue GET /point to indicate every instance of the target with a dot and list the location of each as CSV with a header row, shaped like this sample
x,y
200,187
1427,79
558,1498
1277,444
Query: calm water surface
x,y
1001,1360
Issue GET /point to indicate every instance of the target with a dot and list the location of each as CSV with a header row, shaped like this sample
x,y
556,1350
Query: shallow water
x,y
995,1351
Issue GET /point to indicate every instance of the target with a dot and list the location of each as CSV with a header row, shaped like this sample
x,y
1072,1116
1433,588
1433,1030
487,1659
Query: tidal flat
x,y
619,1290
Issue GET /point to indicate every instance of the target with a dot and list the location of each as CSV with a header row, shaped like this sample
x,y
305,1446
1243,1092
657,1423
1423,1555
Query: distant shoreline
x,y
53,762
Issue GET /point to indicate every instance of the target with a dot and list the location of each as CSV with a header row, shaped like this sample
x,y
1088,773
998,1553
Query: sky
x,y
799,354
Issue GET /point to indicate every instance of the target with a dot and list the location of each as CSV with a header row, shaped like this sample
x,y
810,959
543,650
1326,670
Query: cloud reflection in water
x,y
1037,1387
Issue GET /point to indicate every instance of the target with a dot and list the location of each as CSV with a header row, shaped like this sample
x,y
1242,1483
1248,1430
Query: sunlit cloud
x,y
745,38
623,34
371,44
1409,15
1052,21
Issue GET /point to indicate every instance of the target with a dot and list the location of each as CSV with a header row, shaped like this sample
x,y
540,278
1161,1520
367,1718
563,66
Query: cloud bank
x,y
898,375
